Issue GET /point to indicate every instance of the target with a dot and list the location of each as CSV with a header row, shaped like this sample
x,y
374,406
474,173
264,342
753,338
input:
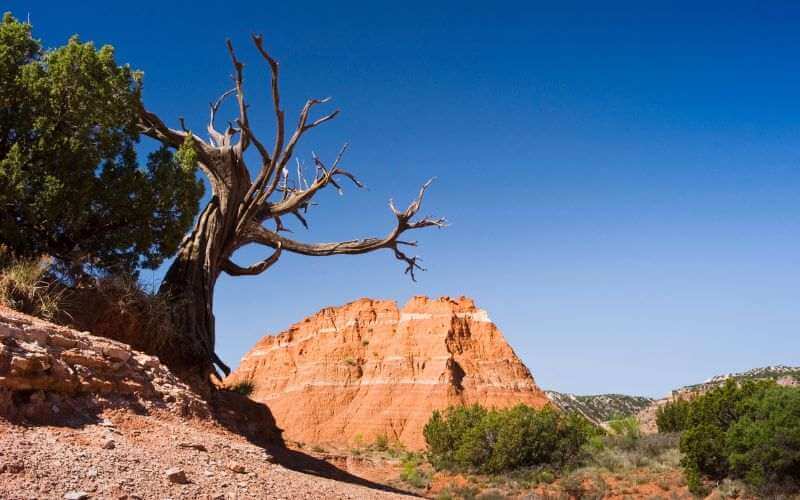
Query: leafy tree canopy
x,y
71,186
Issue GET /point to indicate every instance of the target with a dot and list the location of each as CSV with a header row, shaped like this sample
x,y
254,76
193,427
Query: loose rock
x,y
177,476
76,495
237,468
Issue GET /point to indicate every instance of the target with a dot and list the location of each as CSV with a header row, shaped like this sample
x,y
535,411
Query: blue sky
x,y
623,182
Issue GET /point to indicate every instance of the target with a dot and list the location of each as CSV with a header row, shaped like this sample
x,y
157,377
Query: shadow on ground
x,y
254,421
34,407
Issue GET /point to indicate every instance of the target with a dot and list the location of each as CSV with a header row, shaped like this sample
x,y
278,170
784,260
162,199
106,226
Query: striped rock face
x,y
349,374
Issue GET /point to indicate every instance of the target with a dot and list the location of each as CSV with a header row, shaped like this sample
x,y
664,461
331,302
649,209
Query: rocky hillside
x,y
787,375
48,372
369,368
601,407
783,375
86,417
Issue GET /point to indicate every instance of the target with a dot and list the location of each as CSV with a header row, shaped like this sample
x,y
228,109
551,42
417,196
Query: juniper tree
x,y
71,186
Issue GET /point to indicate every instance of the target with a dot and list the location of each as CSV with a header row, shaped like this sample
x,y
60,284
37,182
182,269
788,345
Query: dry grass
x,y
245,388
26,287
116,307
119,307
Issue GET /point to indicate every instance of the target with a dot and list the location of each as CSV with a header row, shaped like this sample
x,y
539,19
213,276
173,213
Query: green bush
x,y
625,432
411,472
749,432
763,445
381,442
245,388
474,438
673,416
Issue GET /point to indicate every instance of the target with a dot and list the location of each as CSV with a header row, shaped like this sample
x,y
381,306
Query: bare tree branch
x,y
303,127
217,138
270,167
243,121
152,126
299,198
259,234
234,269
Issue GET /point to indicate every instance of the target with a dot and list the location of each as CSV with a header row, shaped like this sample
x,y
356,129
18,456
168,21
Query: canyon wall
x,y
349,374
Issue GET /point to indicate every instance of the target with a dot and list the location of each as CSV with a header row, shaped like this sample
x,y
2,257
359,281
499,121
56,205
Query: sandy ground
x,y
128,456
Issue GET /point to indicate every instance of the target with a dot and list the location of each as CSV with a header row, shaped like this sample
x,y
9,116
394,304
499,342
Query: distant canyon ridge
x,y
347,375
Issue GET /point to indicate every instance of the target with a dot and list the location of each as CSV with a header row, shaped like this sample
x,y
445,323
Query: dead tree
x,y
241,207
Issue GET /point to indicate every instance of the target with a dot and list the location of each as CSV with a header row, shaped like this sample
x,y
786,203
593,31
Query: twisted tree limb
x,y
259,234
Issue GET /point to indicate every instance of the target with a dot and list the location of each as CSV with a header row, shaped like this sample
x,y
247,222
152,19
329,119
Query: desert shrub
x,y
526,477
381,442
620,453
411,471
763,445
26,286
655,445
731,489
749,432
474,438
122,308
625,432
245,388
673,416
573,486
461,492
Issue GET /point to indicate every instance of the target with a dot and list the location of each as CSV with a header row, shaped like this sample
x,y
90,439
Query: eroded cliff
x,y
368,368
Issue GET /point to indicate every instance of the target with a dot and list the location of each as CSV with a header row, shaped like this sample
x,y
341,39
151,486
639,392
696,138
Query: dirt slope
x,y
85,417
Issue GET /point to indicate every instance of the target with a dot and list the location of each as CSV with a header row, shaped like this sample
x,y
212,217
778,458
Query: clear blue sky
x,y
623,182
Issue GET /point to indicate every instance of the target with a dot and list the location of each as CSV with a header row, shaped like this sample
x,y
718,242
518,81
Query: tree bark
x,y
189,289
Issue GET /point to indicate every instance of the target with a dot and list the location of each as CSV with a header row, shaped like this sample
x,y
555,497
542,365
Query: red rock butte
x,y
366,369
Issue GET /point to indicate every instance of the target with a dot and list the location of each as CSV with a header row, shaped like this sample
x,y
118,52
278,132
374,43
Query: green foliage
x,y
245,388
381,442
763,445
673,416
411,471
70,183
625,432
749,432
474,438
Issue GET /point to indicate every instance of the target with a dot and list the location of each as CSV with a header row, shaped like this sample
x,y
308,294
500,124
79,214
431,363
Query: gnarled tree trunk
x,y
189,288
238,209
